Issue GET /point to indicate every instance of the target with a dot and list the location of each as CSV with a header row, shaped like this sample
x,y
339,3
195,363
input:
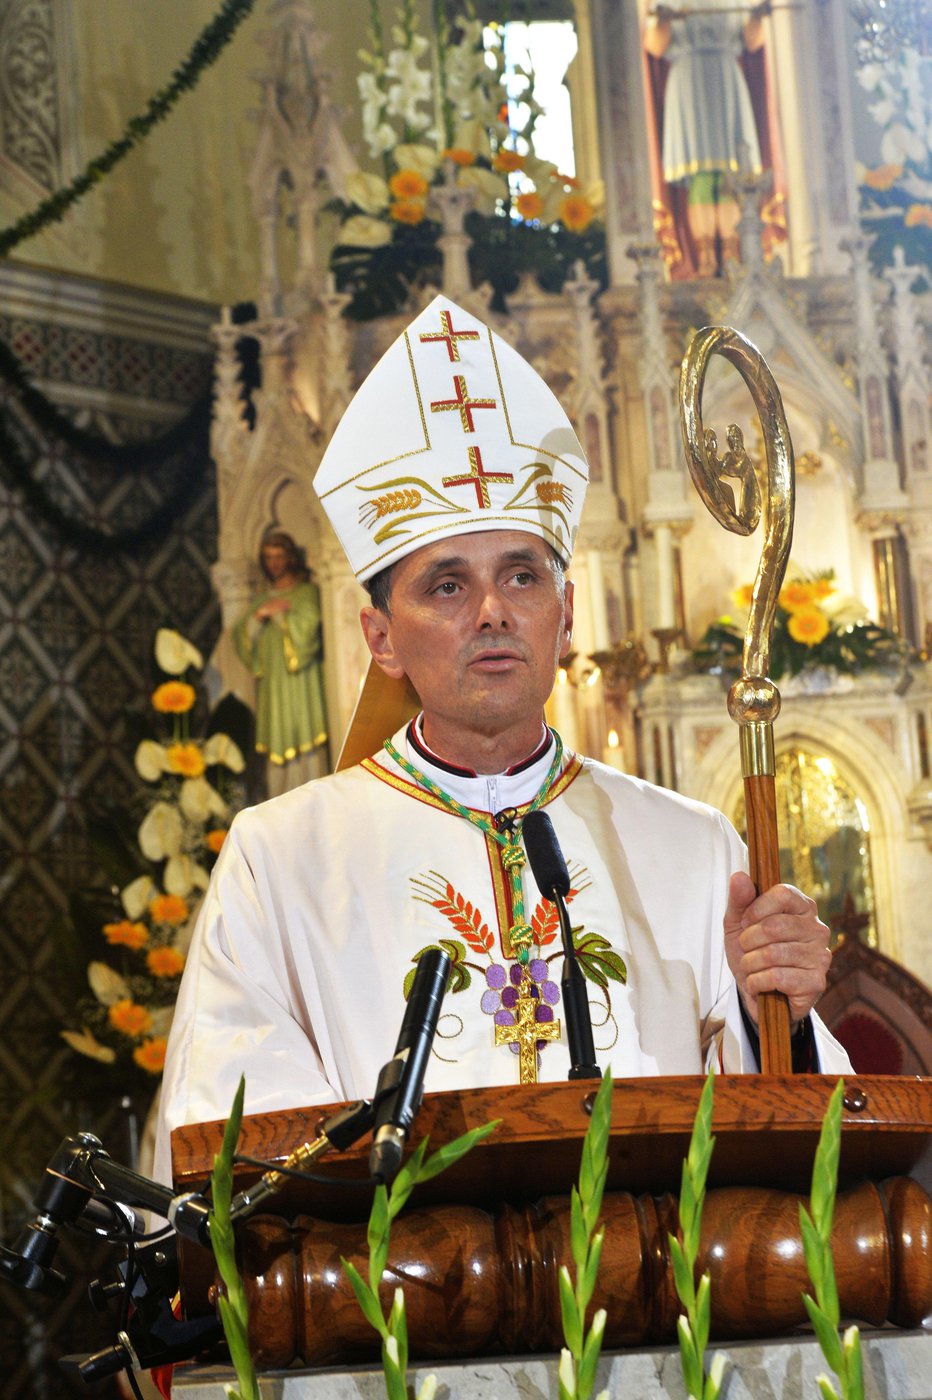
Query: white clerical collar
x,y
484,792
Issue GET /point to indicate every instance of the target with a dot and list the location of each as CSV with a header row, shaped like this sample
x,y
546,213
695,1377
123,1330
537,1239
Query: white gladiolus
x,y
381,140
175,653
418,157
161,832
369,192
87,1044
567,1372
108,986
220,748
136,895
364,232
199,801
183,874
391,1348
151,760
428,1388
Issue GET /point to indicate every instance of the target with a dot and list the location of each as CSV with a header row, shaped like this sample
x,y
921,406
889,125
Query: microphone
x,y
553,880
400,1086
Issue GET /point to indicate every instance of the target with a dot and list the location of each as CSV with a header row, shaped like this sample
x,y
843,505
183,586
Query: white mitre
x,y
451,433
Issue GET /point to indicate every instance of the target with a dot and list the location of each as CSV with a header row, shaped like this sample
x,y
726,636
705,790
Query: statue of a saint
x,y
279,640
708,129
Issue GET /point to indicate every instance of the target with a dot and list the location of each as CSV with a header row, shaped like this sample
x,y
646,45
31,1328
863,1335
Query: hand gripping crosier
x,y
753,700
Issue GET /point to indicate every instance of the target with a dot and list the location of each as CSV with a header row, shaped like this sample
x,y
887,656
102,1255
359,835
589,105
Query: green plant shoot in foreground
x,y
580,1356
233,1308
693,1326
385,1206
843,1354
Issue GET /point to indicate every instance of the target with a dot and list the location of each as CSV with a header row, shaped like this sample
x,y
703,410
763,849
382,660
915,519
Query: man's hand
x,y
775,942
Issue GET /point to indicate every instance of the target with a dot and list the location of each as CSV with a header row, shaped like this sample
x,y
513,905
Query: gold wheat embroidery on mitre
x,y
389,504
552,492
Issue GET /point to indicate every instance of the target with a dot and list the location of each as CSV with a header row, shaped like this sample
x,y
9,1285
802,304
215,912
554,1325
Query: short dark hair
x,y
379,586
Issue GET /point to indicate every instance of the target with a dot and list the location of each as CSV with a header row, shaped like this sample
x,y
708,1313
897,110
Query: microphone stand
x,y
576,1001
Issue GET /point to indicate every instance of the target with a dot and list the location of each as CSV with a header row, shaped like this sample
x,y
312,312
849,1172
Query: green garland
x,y
206,48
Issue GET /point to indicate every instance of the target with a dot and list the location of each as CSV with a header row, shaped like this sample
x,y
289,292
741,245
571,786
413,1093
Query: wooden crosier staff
x,y
753,700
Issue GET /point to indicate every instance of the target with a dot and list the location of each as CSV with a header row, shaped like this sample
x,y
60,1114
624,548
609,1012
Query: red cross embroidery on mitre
x,y
478,477
449,335
463,403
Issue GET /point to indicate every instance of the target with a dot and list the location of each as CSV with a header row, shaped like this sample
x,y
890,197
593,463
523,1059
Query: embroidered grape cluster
x,y
500,999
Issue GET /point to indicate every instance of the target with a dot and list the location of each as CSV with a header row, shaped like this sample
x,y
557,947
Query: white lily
x,y
136,895
368,192
416,156
488,186
220,748
183,874
199,801
161,1019
87,1044
151,760
161,832
361,231
175,653
108,986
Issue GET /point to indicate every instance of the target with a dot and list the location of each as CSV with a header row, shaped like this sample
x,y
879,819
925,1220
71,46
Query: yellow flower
x,y
168,909
130,935
918,214
129,1018
407,211
408,184
215,839
822,587
186,759
796,594
505,161
165,962
575,212
150,1055
529,205
173,698
459,156
808,625
742,596
883,178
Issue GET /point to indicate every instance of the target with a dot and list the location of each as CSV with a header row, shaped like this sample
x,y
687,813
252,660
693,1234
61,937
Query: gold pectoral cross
x,y
527,1032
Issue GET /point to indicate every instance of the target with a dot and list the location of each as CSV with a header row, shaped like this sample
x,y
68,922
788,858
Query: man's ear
x,y
566,641
377,630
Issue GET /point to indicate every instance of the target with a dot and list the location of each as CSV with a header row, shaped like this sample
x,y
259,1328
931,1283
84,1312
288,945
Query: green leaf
x,y
406,1180
367,1300
692,1370
853,1380
826,1389
813,1250
826,1333
682,1275
398,1328
572,1322
592,1348
579,1236
703,1313
586,1286
452,1151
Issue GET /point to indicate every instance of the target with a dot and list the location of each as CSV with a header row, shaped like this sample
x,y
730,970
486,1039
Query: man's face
x,y
478,623
274,561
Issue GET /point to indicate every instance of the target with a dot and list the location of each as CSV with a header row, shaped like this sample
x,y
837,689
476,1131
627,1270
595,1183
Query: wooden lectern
x,y
478,1249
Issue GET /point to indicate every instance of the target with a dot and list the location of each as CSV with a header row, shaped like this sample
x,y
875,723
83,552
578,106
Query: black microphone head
x,y
543,851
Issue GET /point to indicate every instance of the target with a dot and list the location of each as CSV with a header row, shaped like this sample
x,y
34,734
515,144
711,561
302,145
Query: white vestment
x,y
321,899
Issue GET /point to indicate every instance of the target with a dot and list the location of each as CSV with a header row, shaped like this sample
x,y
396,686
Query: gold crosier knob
x,y
753,701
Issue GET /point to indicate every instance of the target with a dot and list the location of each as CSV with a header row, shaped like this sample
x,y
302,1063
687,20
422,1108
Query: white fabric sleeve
x,y
236,1015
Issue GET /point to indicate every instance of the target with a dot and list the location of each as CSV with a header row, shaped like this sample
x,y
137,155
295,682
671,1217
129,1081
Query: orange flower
x,y
822,588
576,212
808,625
169,909
150,1055
796,594
408,184
407,211
459,155
742,596
505,161
174,698
165,962
129,1018
529,206
884,177
186,759
918,214
215,839
129,934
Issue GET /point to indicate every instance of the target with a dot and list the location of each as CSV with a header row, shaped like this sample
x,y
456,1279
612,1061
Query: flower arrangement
x,y
896,196
815,625
439,115
127,1017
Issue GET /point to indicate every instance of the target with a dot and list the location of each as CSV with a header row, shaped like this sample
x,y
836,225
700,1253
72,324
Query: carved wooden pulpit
x,y
478,1249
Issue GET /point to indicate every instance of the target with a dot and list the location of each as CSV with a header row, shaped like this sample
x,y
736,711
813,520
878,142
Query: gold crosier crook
x,y
753,700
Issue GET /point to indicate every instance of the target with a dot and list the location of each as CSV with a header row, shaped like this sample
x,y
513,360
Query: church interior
x,y
215,217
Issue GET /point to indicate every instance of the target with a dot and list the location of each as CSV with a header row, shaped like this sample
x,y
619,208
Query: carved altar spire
x,y
912,380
